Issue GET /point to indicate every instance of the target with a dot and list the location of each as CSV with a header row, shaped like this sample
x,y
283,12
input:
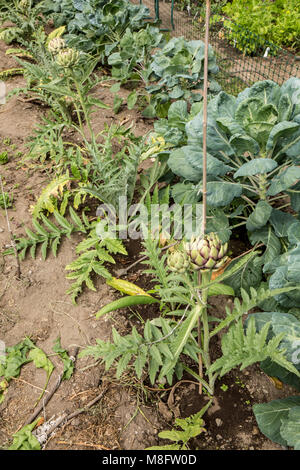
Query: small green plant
x,y
48,235
5,200
192,426
3,158
93,253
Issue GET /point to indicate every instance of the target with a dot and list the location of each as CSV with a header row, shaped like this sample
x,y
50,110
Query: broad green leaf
x,y
284,180
132,99
181,167
294,194
185,193
269,417
293,233
267,236
265,90
281,222
280,130
220,194
215,167
40,360
217,141
178,112
243,143
259,217
118,101
290,428
218,222
257,166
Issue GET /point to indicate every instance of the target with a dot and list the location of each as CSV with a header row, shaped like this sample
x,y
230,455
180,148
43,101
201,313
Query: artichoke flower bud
x,y
206,253
24,5
178,262
56,45
67,57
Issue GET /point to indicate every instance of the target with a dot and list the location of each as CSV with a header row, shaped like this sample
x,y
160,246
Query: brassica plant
x,y
253,143
178,72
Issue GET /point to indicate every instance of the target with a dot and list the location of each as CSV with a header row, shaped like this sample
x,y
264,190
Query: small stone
x,y
75,421
219,422
255,431
218,436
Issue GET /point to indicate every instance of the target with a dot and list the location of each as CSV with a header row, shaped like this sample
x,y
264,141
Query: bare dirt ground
x,y
130,414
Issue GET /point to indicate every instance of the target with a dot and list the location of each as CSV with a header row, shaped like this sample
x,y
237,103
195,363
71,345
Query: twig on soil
x,y
90,366
10,232
27,383
171,396
85,444
81,393
66,418
50,395
45,401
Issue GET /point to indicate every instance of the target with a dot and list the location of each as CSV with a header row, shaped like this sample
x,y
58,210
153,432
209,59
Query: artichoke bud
x,y
56,45
24,5
67,57
178,262
162,235
206,253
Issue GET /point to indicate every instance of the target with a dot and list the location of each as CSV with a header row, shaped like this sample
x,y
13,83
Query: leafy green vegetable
x,y
273,418
92,24
178,70
24,439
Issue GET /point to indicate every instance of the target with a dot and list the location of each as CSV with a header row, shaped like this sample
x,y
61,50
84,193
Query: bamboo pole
x,y
204,171
205,90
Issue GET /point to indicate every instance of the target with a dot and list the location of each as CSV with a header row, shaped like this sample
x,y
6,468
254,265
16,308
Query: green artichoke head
x,y
55,45
67,57
24,5
206,253
178,261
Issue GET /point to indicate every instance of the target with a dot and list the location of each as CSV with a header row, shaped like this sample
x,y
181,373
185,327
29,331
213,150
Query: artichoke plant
x,y
178,261
56,45
67,57
206,253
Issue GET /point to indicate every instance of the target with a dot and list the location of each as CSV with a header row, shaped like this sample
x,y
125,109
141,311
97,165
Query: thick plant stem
x,y
86,115
204,320
203,327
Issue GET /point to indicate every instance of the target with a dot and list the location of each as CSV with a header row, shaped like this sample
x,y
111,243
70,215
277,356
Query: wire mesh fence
x,y
237,69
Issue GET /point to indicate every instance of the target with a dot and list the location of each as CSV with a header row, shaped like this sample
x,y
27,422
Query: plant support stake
x,y
204,177
205,88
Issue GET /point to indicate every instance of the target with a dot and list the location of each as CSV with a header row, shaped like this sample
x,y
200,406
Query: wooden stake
x,y
205,90
204,173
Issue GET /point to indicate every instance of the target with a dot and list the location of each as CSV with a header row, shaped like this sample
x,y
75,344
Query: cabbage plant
x,y
253,143
178,71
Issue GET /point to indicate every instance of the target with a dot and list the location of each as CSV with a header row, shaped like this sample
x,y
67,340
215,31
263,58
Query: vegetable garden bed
x,y
91,123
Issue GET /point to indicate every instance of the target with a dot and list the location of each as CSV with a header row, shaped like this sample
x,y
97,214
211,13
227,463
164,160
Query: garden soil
x,y
130,413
